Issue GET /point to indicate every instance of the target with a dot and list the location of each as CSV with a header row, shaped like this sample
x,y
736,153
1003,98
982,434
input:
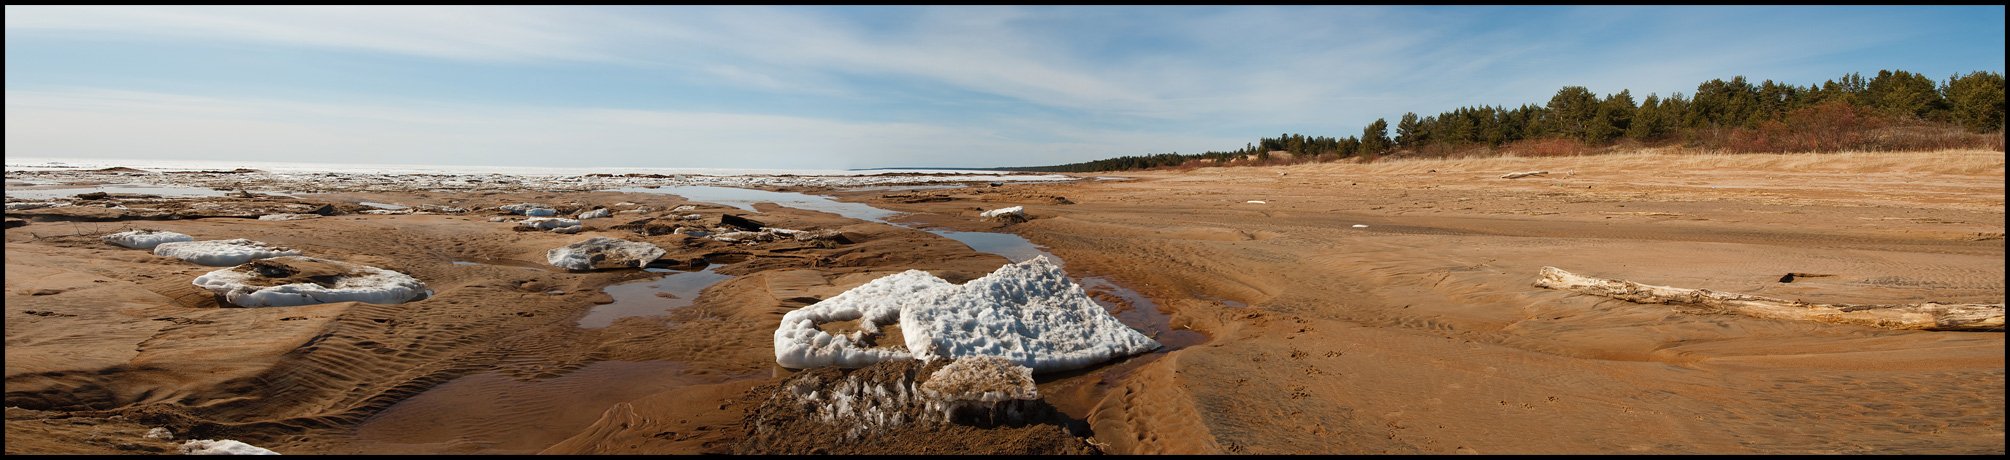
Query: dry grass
x,y
1649,160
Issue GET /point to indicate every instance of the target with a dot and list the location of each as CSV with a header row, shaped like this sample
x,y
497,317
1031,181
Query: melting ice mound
x,y
222,447
221,253
295,280
145,239
1012,214
602,252
1029,313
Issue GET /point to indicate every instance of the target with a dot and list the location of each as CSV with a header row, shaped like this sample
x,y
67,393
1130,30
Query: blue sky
x,y
856,87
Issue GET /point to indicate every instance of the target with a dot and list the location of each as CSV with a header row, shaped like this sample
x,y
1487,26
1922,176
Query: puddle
x,y
143,189
389,206
1013,247
1143,315
744,198
651,297
491,412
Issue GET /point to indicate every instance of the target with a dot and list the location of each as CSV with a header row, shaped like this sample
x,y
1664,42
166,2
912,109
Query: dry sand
x,y
1420,333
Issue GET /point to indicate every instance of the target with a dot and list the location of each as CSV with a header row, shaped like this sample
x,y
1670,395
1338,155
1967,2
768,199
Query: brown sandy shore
x,y
1420,333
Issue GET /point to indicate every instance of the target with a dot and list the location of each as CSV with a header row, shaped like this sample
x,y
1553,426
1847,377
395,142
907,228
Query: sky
x,y
800,87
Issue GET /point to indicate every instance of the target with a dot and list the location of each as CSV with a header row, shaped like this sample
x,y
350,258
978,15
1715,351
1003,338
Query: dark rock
x,y
742,223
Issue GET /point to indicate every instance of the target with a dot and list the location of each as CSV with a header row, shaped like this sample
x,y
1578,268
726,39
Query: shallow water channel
x,y
1135,310
56,190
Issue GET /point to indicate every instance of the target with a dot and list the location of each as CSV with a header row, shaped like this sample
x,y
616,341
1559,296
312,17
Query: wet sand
x,y
1299,332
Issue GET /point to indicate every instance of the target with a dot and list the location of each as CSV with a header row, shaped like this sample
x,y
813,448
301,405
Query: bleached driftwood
x,y
1523,174
1927,316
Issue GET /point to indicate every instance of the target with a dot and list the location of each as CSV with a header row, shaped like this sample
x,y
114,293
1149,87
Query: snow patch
x,y
221,253
596,214
145,238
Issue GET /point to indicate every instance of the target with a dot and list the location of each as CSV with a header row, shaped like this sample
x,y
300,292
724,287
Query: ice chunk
x,y
1029,313
145,238
160,433
295,280
799,344
288,216
978,384
597,214
547,223
222,447
221,253
602,252
1018,212
521,208
540,212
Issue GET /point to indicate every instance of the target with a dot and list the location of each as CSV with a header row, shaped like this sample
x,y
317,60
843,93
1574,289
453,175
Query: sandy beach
x,y
1388,307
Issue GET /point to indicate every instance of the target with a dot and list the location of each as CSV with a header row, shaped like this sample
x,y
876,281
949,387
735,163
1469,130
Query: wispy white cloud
x,y
474,33
124,124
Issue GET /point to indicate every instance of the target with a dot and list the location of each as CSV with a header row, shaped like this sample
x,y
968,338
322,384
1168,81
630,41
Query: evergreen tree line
x,y
1769,115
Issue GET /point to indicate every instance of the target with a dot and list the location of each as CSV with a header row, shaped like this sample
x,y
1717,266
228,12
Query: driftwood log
x,y
1923,316
1523,174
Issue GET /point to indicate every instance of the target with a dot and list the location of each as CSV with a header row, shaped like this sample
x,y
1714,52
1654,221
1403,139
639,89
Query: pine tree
x,y
1615,115
1904,94
1571,112
1406,131
1976,101
1375,138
